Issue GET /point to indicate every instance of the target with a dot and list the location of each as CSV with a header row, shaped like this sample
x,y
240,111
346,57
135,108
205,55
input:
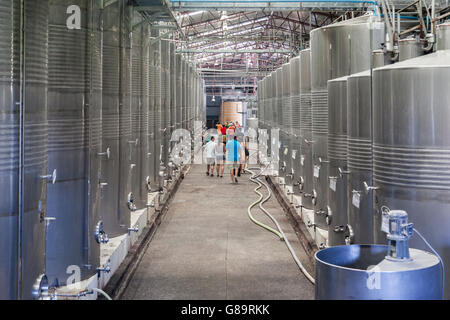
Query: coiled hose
x,y
255,179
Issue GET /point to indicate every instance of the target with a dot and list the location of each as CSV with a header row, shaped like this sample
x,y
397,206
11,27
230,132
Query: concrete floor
x,y
207,248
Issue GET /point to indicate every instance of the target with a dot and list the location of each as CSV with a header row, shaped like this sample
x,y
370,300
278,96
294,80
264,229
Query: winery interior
x,y
109,109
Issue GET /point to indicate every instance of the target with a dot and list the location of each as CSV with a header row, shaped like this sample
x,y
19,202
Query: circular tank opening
x,y
359,257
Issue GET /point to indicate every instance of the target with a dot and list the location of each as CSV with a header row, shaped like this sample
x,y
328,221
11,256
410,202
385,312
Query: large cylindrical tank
x,y
286,123
443,36
155,109
359,158
297,172
410,48
337,155
179,88
411,146
127,145
305,157
165,102
361,272
337,50
277,114
74,142
23,205
137,102
110,120
145,134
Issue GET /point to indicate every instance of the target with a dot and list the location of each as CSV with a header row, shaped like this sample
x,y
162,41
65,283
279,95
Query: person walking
x,y
210,156
220,157
234,150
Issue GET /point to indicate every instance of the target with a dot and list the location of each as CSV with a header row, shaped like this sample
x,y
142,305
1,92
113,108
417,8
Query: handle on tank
x,y
50,177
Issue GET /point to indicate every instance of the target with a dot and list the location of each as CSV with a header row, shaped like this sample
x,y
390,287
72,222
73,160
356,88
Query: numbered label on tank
x,y
385,222
333,184
316,171
356,199
286,151
294,154
302,159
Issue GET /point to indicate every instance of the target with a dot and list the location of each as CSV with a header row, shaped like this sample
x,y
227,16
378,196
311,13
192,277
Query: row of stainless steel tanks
x,y
357,137
90,95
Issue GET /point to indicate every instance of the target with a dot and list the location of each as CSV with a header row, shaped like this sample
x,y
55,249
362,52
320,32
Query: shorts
x,y
234,165
210,161
220,159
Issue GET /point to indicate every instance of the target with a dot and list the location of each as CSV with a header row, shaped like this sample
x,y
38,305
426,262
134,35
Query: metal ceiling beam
x,y
232,51
287,5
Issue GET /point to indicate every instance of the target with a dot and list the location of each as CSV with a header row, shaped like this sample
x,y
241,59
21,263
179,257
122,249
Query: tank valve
x,y
100,234
395,224
50,177
107,153
300,183
342,172
130,202
368,188
104,269
135,229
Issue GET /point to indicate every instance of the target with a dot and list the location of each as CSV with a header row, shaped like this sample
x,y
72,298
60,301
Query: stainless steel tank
x,y
127,145
411,146
410,48
443,36
155,109
179,88
338,233
286,123
277,114
110,121
145,139
361,272
184,74
337,50
23,205
74,142
297,172
305,157
137,106
165,103
359,158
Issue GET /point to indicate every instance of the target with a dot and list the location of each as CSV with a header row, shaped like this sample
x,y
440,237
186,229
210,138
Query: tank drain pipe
x,y
255,179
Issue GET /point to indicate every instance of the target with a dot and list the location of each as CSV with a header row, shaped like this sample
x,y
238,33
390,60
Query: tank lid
x,y
341,79
437,59
361,74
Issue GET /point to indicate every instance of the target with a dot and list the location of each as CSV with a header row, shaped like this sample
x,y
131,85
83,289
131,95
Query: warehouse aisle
x,y
207,248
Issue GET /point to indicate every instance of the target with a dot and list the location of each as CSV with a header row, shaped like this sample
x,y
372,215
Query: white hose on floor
x,y
102,293
255,179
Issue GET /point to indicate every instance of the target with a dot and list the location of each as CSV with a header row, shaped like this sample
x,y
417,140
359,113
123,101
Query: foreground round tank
x,y
337,155
336,50
411,146
361,272
359,158
443,36
16,281
74,143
